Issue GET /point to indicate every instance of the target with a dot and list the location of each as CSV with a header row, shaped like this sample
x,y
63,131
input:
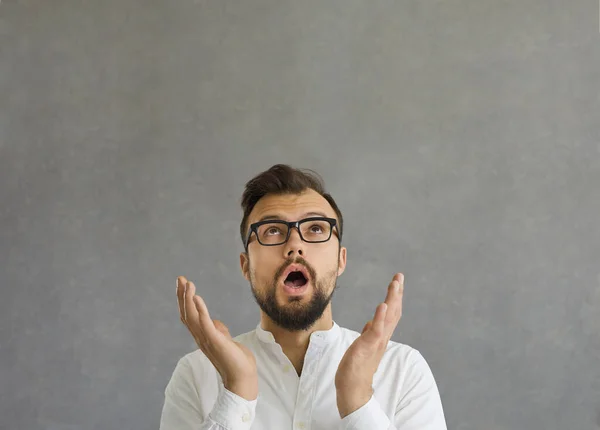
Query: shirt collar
x,y
321,336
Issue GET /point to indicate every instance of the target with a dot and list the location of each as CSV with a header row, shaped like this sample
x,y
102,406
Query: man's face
x,y
264,266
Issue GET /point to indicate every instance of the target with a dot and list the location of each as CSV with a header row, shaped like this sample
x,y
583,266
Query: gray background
x,y
461,140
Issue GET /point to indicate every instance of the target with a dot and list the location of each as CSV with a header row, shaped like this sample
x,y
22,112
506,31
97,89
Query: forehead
x,y
291,207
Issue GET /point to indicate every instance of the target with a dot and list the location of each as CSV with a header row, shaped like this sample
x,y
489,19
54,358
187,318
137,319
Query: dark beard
x,y
296,316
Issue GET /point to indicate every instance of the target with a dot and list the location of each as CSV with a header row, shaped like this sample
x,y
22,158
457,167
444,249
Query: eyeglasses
x,y
277,232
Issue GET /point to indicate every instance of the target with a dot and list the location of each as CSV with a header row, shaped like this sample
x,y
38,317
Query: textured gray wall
x,y
461,140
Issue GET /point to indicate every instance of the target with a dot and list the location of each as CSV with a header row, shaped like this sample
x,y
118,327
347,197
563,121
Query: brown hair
x,y
283,179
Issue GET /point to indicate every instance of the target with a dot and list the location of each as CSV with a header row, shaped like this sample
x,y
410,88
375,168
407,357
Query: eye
x,y
272,230
316,228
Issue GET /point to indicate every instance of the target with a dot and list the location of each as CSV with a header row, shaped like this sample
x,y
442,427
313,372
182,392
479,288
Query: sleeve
x,y
368,417
183,406
420,408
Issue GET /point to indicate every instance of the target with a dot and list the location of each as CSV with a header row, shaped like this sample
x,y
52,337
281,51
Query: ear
x,y
342,261
244,264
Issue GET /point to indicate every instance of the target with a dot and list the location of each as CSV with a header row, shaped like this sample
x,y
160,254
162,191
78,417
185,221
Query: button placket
x,y
308,381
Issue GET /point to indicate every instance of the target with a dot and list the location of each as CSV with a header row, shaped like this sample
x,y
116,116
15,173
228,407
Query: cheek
x,y
326,262
262,270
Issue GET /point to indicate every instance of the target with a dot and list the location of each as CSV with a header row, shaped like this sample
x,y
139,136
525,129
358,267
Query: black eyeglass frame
x,y
292,224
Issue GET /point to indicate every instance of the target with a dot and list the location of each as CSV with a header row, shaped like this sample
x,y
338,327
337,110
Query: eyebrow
x,y
306,215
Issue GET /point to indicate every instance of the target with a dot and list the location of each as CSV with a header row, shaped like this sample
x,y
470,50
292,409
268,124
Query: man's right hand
x,y
235,363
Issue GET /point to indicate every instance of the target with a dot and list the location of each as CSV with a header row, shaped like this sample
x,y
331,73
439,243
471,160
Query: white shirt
x,y
405,395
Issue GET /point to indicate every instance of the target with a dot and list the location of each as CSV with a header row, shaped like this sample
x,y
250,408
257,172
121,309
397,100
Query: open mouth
x,y
295,279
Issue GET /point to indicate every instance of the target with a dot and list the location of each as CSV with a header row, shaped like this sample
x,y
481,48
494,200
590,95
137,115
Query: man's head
x,y
315,260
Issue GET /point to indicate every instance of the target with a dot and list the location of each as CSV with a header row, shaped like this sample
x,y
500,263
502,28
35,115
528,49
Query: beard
x,y
294,315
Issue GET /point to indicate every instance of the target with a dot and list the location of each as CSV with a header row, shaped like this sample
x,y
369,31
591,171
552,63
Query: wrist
x,y
350,401
248,390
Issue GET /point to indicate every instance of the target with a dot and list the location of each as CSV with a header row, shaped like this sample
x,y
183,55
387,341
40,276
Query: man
x,y
297,369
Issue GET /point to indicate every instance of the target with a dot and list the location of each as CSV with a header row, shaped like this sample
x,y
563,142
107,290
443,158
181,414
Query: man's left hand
x,y
354,377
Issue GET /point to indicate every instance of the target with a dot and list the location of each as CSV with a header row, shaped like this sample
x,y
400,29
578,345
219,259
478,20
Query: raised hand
x,y
354,377
235,363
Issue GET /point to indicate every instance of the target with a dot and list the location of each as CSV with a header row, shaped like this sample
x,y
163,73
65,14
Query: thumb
x,y
222,328
367,326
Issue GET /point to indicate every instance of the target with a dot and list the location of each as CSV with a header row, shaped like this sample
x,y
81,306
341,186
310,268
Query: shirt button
x,y
246,418
300,425
287,368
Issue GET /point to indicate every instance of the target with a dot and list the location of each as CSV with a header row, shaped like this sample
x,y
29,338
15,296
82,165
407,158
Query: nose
x,y
294,245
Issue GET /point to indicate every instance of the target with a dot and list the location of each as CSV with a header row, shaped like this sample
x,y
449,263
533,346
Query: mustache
x,y
297,260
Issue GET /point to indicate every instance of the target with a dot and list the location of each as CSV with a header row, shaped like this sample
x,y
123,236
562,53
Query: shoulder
x,y
196,363
394,348
398,356
248,339
194,367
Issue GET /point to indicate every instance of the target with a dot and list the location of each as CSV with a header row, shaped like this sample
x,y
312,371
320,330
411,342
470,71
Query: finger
x,y
400,298
379,319
204,321
190,313
213,336
394,300
395,287
181,281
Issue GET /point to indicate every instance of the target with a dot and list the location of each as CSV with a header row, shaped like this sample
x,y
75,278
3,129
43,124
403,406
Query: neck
x,y
295,343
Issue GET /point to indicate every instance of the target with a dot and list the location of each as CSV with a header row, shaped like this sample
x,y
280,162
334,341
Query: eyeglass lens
x,y
275,233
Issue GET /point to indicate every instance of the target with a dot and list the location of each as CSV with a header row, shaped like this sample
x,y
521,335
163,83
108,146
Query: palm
x,y
228,356
235,363
361,360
